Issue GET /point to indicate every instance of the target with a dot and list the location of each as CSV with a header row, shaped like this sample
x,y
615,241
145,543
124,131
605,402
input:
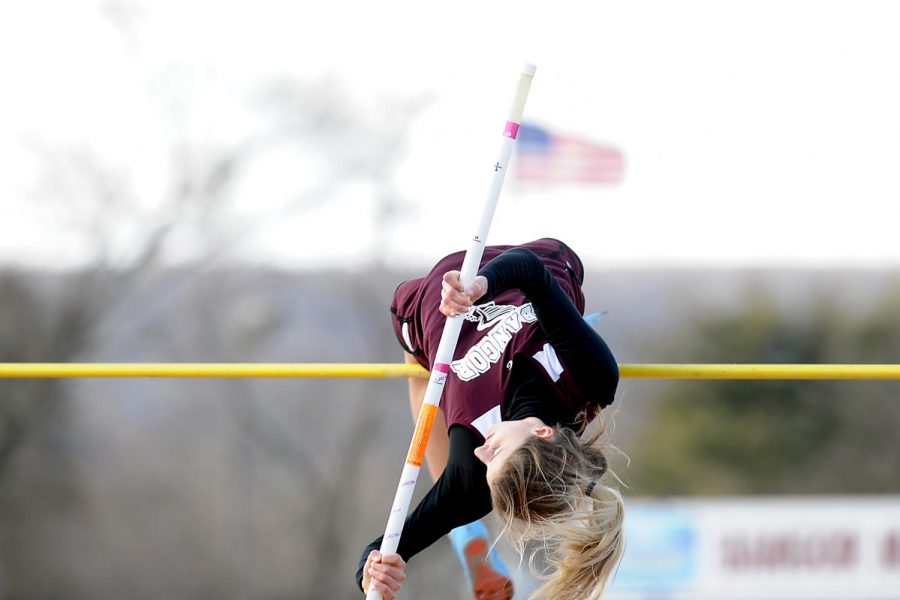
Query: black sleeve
x,y
460,496
578,346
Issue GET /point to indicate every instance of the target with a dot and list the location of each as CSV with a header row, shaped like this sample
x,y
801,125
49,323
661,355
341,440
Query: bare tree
x,y
116,297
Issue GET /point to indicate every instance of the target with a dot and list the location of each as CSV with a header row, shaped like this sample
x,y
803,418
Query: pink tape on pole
x,y
511,130
442,367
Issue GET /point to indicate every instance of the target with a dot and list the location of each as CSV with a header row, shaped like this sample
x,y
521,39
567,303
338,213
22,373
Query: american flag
x,y
544,157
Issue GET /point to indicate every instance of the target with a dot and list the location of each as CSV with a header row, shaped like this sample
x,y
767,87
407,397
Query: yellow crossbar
x,y
727,371
361,370
208,370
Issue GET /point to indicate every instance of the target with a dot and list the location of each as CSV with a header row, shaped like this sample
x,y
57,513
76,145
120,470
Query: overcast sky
x,y
755,133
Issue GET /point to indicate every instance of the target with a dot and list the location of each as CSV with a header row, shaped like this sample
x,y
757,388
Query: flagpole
x,y
440,370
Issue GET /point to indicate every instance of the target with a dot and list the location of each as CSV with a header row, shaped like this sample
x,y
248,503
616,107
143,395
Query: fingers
x,y
451,278
387,574
394,560
455,298
367,580
478,288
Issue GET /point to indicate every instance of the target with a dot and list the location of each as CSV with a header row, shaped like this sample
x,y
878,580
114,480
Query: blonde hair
x,y
561,494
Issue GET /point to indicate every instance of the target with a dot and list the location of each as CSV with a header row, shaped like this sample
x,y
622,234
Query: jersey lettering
x,y
508,320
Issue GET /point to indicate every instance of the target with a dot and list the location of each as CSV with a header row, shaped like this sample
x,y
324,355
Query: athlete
x,y
529,373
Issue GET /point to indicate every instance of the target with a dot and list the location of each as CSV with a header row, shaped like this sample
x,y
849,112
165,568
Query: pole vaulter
x,y
450,335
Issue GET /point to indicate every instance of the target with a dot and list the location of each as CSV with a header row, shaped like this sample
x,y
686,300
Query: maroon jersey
x,y
493,336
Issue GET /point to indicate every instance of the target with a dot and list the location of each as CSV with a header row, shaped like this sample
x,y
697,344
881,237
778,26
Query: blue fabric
x,y
533,138
593,318
460,538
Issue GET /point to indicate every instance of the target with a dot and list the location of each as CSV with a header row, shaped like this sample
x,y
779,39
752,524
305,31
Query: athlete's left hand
x,y
386,572
457,299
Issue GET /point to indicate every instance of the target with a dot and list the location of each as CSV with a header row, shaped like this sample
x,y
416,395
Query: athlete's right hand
x,y
456,299
386,572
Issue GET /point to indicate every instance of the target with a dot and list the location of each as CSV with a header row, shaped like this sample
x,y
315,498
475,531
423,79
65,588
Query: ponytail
x,y
561,494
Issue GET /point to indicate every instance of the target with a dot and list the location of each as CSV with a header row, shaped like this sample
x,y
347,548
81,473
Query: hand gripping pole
x,y
441,368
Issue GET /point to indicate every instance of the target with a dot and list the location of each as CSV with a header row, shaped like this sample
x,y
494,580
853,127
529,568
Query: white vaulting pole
x,y
441,367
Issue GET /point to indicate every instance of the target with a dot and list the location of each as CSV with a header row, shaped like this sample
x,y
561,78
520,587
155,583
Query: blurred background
x,y
248,182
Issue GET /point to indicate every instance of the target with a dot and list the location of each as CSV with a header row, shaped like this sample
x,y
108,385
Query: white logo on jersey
x,y
507,320
488,314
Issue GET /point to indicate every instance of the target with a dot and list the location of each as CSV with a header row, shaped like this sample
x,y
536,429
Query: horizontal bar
x,y
383,370
748,371
208,370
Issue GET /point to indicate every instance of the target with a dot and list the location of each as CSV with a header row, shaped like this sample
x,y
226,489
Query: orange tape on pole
x,y
422,434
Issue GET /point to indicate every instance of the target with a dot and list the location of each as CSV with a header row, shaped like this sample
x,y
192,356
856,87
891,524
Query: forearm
x,y
422,530
517,268
579,347
460,496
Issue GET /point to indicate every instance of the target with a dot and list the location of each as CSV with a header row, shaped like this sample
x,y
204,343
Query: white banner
x,y
837,548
